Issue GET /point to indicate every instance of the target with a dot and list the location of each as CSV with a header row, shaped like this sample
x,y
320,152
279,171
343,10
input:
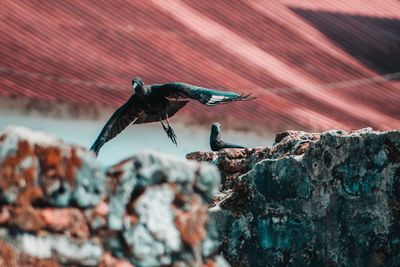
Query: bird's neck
x,y
215,136
143,92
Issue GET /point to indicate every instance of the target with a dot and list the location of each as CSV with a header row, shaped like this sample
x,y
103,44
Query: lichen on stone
x,y
323,199
60,206
63,173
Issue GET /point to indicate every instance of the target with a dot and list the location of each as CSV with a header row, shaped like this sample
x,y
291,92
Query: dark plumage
x,y
216,142
158,102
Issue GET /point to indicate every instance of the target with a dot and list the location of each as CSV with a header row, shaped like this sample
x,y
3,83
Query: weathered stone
x,y
109,261
59,248
329,199
234,162
69,221
59,206
35,166
26,218
159,204
11,258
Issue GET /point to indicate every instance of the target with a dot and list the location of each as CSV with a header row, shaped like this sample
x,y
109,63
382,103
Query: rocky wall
x,y
329,199
59,206
311,199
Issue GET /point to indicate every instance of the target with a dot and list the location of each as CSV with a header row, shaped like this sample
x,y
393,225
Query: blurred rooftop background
x,y
313,65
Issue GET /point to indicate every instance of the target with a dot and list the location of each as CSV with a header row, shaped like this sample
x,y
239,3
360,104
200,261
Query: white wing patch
x,y
210,99
216,98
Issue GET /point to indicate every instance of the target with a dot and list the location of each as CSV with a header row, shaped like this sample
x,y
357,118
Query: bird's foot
x,y
171,134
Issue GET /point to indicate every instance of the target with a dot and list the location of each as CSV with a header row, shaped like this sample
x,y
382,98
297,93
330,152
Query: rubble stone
x,y
35,166
59,206
329,199
166,218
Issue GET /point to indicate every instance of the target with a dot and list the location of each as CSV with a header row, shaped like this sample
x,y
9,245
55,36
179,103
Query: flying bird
x,y
159,102
216,142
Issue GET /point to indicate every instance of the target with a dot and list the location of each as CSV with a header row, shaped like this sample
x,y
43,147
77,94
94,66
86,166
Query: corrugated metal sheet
x,y
85,52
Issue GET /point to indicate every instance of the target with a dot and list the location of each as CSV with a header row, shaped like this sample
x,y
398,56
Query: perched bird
x,y
216,142
158,102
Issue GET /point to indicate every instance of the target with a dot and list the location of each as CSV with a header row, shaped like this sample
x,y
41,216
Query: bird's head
x,y
138,86
215,128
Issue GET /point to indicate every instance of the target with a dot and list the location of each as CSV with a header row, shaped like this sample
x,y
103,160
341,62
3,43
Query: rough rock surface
x,y
37,167
312,199
329,199
59,206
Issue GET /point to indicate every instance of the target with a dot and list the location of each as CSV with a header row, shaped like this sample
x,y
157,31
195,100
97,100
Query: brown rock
x,y
67,220
12,175
279,136
302,148
109,261
70,221
26,218
234,165
210,263
29,195
28,261
72,163
202,156
235,162
191,223
10,258
101,209
235,153
56,206
4,215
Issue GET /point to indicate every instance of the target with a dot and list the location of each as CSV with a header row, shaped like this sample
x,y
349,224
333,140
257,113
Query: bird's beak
x,y
134,85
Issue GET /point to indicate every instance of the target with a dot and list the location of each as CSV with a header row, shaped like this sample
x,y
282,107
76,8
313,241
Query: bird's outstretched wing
x,y
122,117
205,96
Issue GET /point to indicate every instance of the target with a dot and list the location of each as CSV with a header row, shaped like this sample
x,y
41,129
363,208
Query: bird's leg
x,y
163,125
168,129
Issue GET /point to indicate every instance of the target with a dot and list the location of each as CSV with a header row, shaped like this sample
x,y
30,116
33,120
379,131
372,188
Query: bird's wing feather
x,y
172,108
175,105
205,96
121,118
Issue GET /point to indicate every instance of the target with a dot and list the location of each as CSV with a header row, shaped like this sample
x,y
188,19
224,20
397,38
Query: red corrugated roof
x,y
83,52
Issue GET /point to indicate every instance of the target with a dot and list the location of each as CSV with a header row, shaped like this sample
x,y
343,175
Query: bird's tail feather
x,y
95,148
